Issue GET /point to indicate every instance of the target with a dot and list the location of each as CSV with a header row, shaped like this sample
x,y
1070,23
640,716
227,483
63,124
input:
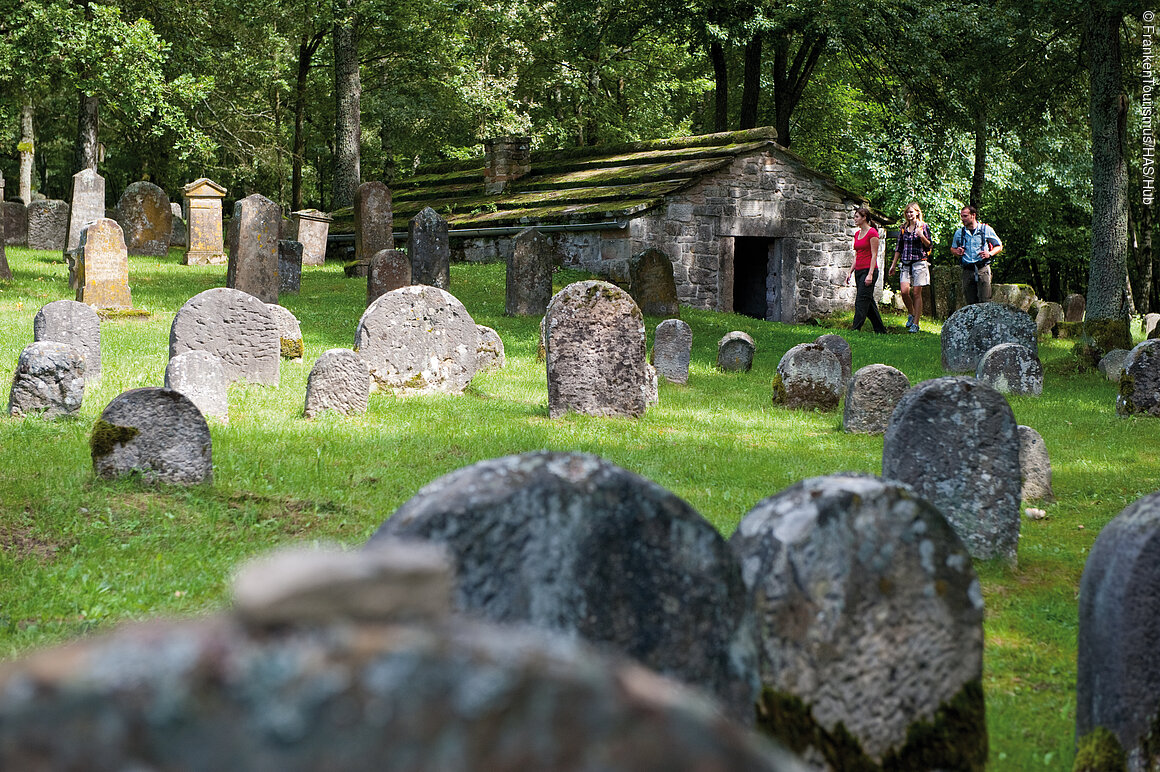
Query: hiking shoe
x,y
912,327
909,321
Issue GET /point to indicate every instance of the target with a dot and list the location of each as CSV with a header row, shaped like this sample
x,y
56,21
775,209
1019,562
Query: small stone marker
x,y
234,326
15,216
1048,318
429,249
672,350
872,625
1035,466
651,284
841,349
571,543
389,269
974,330
1018,296
203,202
1149,324
313,227
179,236
199,375
418,340
67,321
735,352
373,224
1112,364
490,355
528,286
595,348
809,376
1140,382
954,439
49,381
158,434
289,266
1074,306
339,381
146,218
102,266
253,259
289,332
871,396
87,205
1011,369
48,225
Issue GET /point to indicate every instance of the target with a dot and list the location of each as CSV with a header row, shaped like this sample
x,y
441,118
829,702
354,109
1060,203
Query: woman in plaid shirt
x,y
913,248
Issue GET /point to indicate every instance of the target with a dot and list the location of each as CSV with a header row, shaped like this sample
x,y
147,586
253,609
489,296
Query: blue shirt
x,y
972,241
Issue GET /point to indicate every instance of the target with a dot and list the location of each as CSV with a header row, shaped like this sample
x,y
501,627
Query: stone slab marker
x,y
253,261
289,332
595,348
1112,364
87,205
373,223
571,543
389,269
1074,307
974,330
15,216
289,266
429,249
146,218
1012,369
1048,317
49,381
490,355
203,208
236,327
651,284
871,396
735,352
199,375
339,381
1148,324
179,236
1140,381
841,349
956,442
1035,466
872,626
67,321
48,225
672,350
102,264
313,227
809,376
528,286
158,434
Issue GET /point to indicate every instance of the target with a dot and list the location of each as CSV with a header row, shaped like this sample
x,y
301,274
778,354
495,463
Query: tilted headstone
x,y
389,269
871,619
48,225
841,349
67,321
15,216
954,439
735,352
372,223
975,329
1112,364
1048,318
1140,381
102,266
144,214
289,332
490,354
289,266
203,205
528,285
672,350
651,284
1011,368
571,543
809,376
234,326
418,340
253,260
312,228
158,434
1074,306
871,396
49,381
429,250
1035,466
200,376
86,206
339,381
595,348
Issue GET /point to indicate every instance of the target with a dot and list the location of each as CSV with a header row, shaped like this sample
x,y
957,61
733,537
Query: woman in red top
x,y
865,271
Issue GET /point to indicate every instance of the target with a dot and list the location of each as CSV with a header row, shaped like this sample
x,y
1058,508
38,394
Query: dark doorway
x,y
755,274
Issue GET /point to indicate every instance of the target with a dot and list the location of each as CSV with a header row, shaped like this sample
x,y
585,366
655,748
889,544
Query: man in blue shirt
x,y
975,245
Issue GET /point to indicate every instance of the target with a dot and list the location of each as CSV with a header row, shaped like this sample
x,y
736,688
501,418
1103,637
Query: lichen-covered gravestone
x,y
312,227
418,340
253,259
158,434
289,266
1140,381
871,396
102,267
87,206
528,283
199,375
490,355
595,348
871,620
146,218
389,269
1034,465
651,284
232,325
372,224
1011,368
841,349
429,250
808,376
203,201
735,352
48,225
68,321
975,329
954,439
49,381
339,381
571,543
672,350
289,332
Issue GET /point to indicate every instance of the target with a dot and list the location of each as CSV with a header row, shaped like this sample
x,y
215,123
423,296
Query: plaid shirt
x,y
910,249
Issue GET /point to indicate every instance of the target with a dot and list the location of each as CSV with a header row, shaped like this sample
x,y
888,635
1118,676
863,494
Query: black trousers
x,y
864,305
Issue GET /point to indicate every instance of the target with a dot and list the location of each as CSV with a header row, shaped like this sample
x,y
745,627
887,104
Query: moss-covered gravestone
x,y
156,434
871,396
735,352
144,215
652,285
234,326
1140,381
1011,368
975,329
809,376
253,258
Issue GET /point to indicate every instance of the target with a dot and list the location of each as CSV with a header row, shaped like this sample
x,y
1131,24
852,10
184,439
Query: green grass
x,y
79,554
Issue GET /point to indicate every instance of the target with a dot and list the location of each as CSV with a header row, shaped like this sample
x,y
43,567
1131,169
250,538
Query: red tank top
x,y
862,257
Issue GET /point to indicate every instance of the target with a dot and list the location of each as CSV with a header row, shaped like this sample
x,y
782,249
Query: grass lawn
x,y
80,555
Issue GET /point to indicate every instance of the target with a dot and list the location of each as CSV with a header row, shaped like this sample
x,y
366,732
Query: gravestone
x,y
672,350
179,236
312,228
975,329
651,284
48,225
156,434
871,396
287,229
253,259
1018,296
490,354
289,332
1074,306
418,340
528,285
86,206
200,376
809,376
1048,318
146,219
234,326
837,345
735,352
15,216
1034,465
102,266
372,224
571,543
389,269
1112,364
289,266
49,381
871,619
954,440
429,249
1148,324
339,381
67,321
1140,381
203,206
1011,369
595,348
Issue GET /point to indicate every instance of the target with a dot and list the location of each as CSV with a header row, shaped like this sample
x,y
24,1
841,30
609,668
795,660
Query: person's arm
x,y
873,259
957,248
924,235
993,248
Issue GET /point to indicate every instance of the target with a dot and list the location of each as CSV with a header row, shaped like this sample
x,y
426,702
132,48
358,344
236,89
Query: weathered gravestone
x,y
15,216
871,396
651,284
1019,296
808,376
253,260
372,224
289,266
1148,324
1140,381
146,218
389,269
871,620
234,326
48,225
595,348
289,332
975,329
102,266
1118,679
49,381
339,381
67,321
200,376
312,227
840,348
87,205
528,286
203,203
1048,318
429,249
157,434
1011,368
1034,466
735,352
672,350
955,441
1112,364
490,355
418,340
179,236
571,543
1074,306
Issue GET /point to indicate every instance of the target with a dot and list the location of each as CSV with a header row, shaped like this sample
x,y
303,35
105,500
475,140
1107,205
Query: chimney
x,y
505,159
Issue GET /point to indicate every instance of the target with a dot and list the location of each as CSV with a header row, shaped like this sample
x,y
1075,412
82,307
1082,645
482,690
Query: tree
x,y
347,96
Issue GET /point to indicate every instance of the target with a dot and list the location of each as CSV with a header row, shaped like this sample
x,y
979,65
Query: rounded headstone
x,y
672,350
491,352
339,381
1074,307
871,620
1034,465
146,218
975,329
48,225
1149,324
841,349
871,396
158,434
808,376
735,352
418,340
1018,296
234,326
49,380
1140,381
1011,368
1112,364
200,376
289,332
571,543
76,324
651,284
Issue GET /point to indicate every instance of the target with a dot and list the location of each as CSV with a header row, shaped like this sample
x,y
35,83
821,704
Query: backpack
x,y
928,251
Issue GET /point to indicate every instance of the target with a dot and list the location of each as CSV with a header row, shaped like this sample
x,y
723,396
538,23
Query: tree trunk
x,y
790,78
347,128
1144,263
85,150
751,89
720,86
979,175
27,147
